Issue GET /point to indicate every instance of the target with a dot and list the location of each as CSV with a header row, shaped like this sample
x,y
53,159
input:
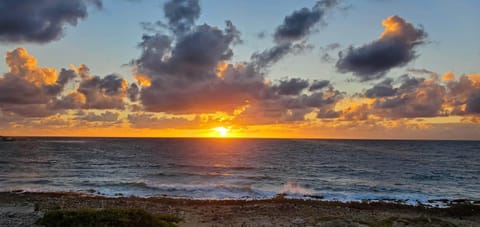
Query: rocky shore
x,y
24,209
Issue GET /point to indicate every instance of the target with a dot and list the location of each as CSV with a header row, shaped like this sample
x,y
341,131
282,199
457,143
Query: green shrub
x,y
106,217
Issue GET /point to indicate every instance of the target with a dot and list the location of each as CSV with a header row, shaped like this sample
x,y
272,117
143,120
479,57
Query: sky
x,y
370,69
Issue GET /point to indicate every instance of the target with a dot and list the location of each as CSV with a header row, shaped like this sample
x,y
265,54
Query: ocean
x,y
346,170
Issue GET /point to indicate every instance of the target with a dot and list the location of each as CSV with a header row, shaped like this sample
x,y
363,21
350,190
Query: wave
x,y
193,191
292,188
212,167
197,191
289,190
216,174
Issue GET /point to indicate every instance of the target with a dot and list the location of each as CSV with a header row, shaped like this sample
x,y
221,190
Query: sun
x,y
222,131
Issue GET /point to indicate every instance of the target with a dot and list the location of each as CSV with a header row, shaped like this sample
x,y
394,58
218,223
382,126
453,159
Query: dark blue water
x,y
245,168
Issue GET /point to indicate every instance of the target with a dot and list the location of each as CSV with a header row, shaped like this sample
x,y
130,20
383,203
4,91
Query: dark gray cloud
x,y
183,69
277,108
193,56
133,92
154,49
202,49
261,34
181,14
464,95
382,89
294,86
406,97
40,21
318,85
326,56
422,72
268,57
328,113
300,23
95,92
149,120
473,102
188,72
106,116
103,93
414,97
73,100
290,36
395,48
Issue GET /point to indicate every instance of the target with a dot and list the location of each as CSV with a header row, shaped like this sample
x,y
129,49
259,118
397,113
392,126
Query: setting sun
x,y
222,131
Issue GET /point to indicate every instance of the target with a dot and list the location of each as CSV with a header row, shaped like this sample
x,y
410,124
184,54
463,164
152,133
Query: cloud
x,y
300,23
106,116
103,93
278,107
30,90
133,92
190,72
291,35
406,97
318,85
151,121
448,76
473,102
395,48
382,89
464,95
176,73
325,52
73,100
268,57
181,14
40,21
413,98
293,86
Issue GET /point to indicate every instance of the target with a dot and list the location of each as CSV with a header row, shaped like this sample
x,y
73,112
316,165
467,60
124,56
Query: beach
x,y
24,209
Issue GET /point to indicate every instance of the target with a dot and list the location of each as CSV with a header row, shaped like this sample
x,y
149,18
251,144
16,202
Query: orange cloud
x,y
475,78
24,65
221,68
143,80
81,70
448,76
397,27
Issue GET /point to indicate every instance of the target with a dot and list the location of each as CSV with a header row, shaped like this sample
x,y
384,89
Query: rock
x,y
10,214
339,222
298,221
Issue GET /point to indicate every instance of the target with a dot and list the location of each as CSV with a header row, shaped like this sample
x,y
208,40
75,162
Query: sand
x,y
23,209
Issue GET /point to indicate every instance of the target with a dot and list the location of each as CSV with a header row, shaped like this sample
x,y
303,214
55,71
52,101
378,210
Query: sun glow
x,y
222,131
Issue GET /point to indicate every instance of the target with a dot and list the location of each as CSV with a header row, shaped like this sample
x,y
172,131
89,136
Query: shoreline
x,y
29,206
429,203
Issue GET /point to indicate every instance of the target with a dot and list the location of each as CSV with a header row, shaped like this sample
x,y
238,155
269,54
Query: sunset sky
x,y
378,69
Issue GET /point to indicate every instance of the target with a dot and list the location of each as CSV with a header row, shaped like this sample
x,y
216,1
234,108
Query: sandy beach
x,y
24,209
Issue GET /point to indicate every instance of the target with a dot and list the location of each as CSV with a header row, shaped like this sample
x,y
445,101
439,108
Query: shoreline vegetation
x,y
53,209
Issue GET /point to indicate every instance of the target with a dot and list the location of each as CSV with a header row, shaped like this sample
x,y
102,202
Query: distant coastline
x,y
6,139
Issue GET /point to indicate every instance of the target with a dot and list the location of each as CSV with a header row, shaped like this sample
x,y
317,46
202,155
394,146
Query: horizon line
x,y
239,137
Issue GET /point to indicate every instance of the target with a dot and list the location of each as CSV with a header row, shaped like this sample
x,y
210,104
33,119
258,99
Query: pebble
x,y
298,221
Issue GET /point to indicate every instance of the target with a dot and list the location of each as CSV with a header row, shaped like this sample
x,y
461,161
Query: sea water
x,y
345,170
